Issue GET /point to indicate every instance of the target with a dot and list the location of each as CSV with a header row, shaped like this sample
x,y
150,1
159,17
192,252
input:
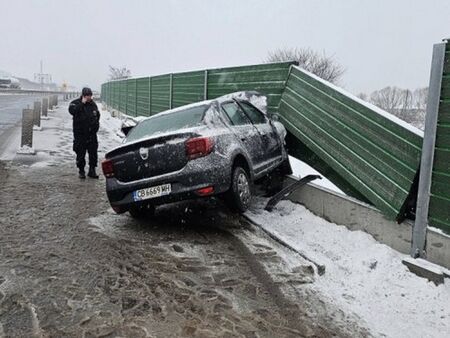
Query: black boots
x,y
92,173
81,174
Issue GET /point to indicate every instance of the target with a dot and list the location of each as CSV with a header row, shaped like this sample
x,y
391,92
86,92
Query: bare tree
x,y
388,98
363,96
326,67
421,98
116,73
408,105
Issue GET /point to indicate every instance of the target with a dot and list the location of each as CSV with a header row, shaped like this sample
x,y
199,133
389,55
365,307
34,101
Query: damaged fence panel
x,y
376,153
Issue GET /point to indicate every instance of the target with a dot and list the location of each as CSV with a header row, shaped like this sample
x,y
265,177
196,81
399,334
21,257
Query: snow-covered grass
x,y
362,276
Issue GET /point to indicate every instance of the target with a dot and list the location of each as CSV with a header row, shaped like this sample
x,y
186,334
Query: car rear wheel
x,y
142,212
239,195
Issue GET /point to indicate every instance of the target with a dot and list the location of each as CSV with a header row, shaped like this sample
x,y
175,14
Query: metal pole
x,y
205,88
44,107
37,114
150,96
419,234
27,128
170,90
135,97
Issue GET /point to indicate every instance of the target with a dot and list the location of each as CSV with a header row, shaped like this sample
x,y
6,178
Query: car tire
x,y
240,193
142,212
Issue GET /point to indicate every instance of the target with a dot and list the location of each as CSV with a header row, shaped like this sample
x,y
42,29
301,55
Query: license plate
x,y
152,192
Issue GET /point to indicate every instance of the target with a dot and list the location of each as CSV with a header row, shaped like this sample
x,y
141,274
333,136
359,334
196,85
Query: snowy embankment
x,y
362,276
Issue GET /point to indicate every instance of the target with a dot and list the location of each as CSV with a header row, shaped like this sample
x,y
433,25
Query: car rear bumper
x,y
212,170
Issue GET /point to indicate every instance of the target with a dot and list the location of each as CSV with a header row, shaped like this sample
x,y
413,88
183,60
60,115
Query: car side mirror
x,y
274,117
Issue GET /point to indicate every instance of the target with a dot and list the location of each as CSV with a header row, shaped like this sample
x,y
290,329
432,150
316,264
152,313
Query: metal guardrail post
x,y
205,88
27,128
56,100
44,107
419,234
135,97
37,114
170,90
150,96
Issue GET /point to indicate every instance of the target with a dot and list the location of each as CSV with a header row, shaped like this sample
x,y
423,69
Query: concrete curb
x,y
356,215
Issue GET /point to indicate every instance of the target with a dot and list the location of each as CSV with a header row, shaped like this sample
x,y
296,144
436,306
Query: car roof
x,y
241,95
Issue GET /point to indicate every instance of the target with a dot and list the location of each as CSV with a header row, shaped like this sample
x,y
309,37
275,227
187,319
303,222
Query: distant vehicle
x,y
211,148
9,82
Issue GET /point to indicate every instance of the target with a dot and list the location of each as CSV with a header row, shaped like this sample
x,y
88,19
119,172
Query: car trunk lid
x,y
150,157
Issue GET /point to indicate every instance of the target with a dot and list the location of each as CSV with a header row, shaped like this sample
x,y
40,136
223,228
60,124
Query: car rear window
x,y
187,118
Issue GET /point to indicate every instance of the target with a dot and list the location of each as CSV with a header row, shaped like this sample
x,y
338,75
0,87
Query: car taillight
x,y
198,147
108,168
205,191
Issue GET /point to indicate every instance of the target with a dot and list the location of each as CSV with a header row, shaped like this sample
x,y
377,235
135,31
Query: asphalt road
x,y
11,108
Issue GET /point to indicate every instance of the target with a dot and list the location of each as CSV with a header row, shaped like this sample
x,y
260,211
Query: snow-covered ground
x,y
362,276
301,169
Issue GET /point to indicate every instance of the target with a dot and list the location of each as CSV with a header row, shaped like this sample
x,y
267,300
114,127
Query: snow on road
x,y
362,275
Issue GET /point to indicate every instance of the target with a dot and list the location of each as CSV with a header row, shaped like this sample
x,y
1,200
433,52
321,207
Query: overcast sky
x,y
380,43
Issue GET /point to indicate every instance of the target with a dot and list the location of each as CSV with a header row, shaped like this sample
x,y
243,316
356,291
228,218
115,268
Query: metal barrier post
x,y
170,90
44,107
56,100
27,129
205,84
37,114
419,234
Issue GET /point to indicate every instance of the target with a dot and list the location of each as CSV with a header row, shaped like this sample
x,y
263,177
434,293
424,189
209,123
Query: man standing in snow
x,y
86,117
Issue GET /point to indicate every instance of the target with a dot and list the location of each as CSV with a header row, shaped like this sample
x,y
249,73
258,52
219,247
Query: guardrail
x,y
37,91
365,151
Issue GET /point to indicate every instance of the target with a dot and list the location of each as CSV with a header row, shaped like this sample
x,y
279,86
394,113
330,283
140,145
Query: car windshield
x,y
186,118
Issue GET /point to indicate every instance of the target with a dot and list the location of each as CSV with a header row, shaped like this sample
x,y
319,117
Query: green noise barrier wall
x,y
439,210
150,95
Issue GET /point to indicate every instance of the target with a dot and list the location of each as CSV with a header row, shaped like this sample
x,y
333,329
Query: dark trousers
x,y
83,144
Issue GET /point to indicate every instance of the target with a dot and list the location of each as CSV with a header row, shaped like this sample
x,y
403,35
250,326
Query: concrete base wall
x,y
355,215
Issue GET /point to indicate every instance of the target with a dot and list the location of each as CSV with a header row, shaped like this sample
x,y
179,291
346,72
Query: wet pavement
x,y
70,267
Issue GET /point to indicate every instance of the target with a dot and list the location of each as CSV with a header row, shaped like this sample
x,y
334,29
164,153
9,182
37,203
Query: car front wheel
x,y
239,195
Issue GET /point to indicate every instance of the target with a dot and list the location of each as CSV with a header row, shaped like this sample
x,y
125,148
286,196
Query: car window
x,y
254,114
235,114
187,118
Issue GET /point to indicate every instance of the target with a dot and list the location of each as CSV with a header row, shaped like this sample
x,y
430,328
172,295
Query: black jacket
x,y
86,117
